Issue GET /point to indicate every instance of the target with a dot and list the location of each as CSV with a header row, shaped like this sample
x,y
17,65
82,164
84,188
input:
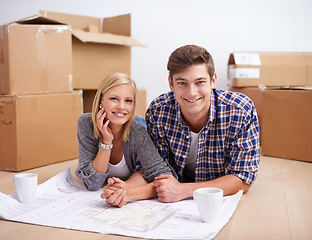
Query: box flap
x,y
116,30
120,25
37,20
76,21
104,38
303,88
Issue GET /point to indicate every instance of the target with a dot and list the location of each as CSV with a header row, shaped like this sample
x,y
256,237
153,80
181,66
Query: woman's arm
x,y
100,163
136,179
88,150
118,192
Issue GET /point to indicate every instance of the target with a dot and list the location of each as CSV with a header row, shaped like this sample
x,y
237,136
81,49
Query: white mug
x,y
26,186
209,203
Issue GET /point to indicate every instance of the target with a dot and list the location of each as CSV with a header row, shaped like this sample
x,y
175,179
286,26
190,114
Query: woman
x,y
115,148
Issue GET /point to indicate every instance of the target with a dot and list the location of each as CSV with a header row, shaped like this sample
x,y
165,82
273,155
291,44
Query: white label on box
x,y
247,59
244,73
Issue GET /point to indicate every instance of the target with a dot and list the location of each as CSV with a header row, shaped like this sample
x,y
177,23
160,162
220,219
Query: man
x,y
210,137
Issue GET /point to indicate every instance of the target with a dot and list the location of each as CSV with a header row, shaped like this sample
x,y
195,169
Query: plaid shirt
x,y
227,144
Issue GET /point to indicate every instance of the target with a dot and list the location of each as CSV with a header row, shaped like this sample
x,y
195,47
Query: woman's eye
x,y
129,101
113,99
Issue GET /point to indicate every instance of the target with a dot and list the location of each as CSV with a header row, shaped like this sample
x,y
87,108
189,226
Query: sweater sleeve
x,y
142,151
87,151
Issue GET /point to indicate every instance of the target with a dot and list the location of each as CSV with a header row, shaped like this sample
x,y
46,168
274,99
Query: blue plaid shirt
x,y
228,143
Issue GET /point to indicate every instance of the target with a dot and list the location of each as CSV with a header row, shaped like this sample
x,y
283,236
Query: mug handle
x,y
195,195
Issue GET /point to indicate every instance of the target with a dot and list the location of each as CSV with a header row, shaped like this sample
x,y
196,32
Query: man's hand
x,y
168,189
115,192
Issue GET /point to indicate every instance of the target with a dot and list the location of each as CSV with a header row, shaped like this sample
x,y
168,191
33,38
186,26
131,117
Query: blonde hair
x,y
111,81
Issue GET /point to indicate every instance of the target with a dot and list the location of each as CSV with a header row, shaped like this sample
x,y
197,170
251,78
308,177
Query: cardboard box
x,y
286,124
140,107
88,96
38,130
87,102
40,49
97,54
270,69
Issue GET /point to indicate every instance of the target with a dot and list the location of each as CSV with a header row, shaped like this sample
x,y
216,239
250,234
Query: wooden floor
x,y
277,206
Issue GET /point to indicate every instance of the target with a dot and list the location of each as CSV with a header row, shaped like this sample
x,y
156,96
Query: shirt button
x,y
187,136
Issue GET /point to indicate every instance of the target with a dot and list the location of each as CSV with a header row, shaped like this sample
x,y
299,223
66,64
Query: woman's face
x,y
118,103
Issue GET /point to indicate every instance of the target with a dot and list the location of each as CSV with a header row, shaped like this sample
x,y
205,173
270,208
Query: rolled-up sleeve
x,y
244,155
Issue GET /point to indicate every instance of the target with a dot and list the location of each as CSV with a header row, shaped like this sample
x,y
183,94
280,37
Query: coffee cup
x,y
209,203
26,186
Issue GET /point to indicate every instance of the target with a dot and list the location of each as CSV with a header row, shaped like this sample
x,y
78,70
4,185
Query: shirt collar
x,y
213,107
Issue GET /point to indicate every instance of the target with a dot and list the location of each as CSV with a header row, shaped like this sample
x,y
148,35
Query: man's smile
x,y
192,100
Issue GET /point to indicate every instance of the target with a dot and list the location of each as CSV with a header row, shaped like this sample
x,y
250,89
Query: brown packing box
x,y
88,96
270,69
38,130
140,107
286,124
40,49
97,54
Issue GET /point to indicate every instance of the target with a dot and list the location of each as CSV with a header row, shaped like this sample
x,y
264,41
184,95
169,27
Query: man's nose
x,y
192,89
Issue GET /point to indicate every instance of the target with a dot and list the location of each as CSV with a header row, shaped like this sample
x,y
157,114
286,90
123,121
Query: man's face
x,y
192,89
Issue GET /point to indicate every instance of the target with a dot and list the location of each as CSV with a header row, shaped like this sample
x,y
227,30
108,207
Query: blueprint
x,y
62,202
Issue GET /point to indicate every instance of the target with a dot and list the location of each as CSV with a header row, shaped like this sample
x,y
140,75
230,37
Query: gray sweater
x,y
139,152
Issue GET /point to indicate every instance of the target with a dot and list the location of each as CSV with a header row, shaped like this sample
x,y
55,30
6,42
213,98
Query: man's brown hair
x,y
186,56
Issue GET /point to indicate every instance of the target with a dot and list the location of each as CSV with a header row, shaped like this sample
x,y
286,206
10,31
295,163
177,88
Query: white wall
x,y
221,26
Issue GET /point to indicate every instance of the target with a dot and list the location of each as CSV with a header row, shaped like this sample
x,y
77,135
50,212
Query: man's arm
x,y
170,190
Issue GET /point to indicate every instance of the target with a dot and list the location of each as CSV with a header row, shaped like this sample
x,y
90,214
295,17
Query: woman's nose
x,y
121,105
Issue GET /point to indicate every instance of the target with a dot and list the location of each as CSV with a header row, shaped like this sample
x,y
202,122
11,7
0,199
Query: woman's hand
x,y
115,192
107,135
118,192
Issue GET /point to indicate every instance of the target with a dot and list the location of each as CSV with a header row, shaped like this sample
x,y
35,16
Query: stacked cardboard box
x,y
278,85
38,107
100,47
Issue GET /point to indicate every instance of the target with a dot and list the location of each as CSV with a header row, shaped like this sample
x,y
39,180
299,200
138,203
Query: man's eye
x,y
181,83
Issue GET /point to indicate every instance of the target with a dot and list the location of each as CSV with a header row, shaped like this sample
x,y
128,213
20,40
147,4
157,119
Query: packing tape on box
x,y
244,73
42,59
41,50
247,59
53,29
